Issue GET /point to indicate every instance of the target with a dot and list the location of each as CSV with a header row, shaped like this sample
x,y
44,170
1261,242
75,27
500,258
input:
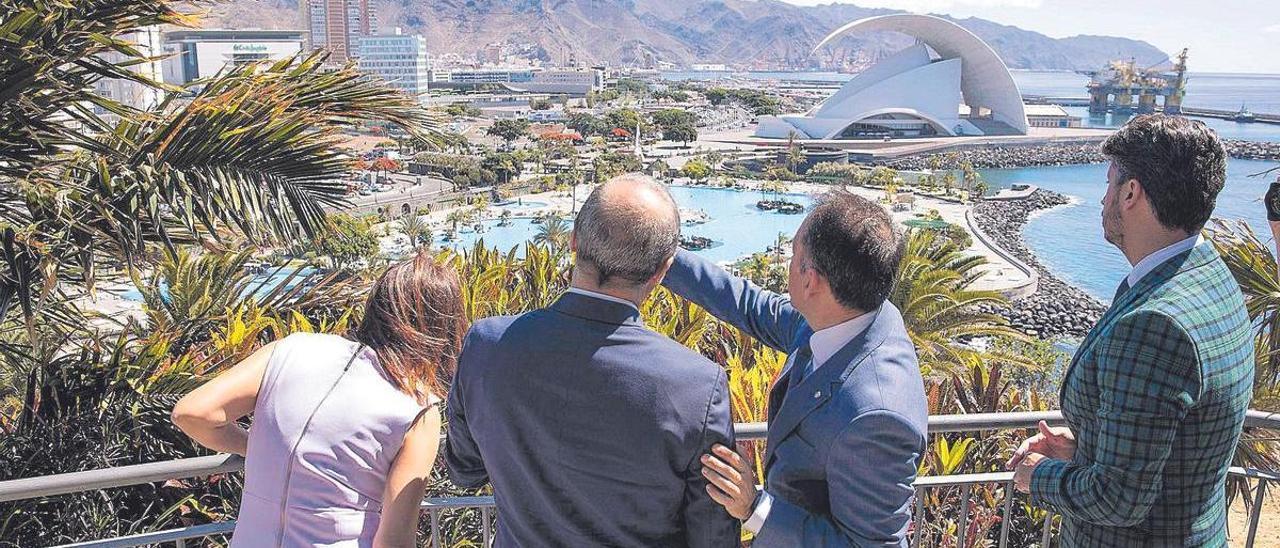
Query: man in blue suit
x,y
588,425
847,415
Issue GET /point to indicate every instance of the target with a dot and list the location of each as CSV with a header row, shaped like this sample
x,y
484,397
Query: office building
x,y
202,53
398,59
337,25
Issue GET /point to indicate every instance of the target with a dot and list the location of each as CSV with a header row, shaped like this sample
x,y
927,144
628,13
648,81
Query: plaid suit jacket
x,y
1156,396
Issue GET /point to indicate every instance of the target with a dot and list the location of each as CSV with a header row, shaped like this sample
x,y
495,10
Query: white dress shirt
x,y
824,344
1150,262
602,296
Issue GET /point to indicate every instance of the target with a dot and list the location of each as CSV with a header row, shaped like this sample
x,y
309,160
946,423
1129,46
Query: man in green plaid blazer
x,y
1156,395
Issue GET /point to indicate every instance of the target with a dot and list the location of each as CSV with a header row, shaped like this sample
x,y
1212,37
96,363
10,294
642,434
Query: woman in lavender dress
x,y
345,431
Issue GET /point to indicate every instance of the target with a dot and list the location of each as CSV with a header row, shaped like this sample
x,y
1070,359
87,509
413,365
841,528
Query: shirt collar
x,y
1150,262
825,343
602,296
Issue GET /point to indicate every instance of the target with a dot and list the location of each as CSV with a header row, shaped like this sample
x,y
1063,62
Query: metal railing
x,y
124,476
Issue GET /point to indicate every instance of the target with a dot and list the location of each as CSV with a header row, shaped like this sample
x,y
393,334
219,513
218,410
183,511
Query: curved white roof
x,y
985,80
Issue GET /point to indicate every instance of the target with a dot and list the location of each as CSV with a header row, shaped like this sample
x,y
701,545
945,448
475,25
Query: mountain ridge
x,y
761,34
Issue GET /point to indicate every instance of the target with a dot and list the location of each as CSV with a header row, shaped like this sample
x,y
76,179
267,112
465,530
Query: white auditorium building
x,y
949,83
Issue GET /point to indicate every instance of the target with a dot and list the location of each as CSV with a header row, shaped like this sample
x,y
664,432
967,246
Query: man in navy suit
x,y
588,425
847,415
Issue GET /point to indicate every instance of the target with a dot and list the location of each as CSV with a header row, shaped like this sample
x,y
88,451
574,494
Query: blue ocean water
x,y
1068,240
1259,92
736,227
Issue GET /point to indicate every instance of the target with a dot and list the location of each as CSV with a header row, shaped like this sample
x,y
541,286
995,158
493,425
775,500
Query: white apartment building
x,y
398,59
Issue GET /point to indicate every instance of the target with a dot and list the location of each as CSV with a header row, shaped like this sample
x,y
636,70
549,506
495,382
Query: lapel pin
x,y
817,394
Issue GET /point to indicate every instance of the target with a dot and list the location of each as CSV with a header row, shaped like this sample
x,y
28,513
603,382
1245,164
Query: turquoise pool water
x,y
259,285
736,226
1068,240
518,205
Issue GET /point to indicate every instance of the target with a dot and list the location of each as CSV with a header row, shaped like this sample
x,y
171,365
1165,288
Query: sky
x,y
1222,35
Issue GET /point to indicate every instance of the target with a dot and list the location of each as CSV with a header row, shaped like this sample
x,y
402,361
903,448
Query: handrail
x,y
123,476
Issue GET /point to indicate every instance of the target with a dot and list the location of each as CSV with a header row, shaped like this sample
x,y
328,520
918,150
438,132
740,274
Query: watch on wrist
x,y
1273,202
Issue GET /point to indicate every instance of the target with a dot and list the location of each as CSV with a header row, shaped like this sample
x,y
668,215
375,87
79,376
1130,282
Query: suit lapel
x,y
797,402
779,390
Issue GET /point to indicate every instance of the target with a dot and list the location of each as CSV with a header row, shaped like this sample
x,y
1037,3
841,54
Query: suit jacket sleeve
x,y
870,470
765,315
1148,378
462,455
706,522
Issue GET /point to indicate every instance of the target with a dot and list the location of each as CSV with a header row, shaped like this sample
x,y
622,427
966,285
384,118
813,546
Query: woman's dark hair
x,y
414,321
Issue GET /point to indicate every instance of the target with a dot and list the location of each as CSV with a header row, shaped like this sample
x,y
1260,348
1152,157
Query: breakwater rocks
x,y
1056,308
988,157
1252,150
1051,154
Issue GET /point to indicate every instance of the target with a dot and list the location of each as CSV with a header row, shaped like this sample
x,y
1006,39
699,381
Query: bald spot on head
x,y
627,229
636,199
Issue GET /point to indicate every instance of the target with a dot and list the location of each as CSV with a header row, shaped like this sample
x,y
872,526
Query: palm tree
x,y
714,158
795,153
250,156
417,230
247,160
553,233
454,218
1254,268
778,244
933,293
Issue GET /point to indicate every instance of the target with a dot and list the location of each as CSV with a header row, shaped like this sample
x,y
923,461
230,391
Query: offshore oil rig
x,y
1125,88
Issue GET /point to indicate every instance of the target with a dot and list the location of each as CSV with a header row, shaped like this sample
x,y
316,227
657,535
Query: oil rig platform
x,y
1124,87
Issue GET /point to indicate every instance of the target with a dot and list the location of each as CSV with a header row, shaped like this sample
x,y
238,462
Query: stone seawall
x,y
1056,308
1053,154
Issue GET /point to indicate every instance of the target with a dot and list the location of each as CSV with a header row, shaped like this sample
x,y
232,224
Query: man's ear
x,y
657,278
1132,193
811,280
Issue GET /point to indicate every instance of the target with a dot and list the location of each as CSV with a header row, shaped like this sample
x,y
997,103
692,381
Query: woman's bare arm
x,y
407,481
209,413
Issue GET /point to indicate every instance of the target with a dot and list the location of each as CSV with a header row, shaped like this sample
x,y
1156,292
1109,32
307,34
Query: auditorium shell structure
x,y
965,89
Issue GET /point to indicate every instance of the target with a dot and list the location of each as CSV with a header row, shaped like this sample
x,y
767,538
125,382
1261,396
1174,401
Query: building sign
x,y
249,47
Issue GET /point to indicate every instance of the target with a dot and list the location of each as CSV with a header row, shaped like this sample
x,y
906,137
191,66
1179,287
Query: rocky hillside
x,y
743,33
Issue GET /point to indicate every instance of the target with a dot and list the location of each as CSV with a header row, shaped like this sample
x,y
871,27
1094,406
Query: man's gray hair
x,y
624,235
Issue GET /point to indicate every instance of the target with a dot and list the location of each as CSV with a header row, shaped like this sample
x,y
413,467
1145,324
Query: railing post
x,y
1048,529
484,527
435,527
963,524
1255,513
919,521
1007,517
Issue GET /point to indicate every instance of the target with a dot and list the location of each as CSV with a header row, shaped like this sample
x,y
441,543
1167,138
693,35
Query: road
x,y
404,190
